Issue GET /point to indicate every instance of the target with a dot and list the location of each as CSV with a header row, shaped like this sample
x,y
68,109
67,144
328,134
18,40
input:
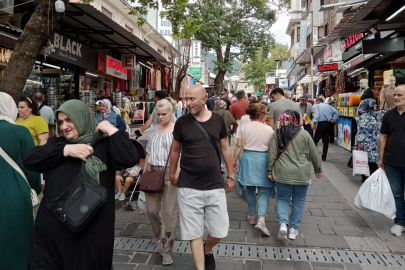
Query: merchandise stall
x,y
348,104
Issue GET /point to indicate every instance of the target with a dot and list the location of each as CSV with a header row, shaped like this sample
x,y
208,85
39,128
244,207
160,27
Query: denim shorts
x,y
203,207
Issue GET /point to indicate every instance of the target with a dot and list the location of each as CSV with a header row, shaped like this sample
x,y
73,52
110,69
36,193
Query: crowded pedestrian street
x,y
334,234
202,135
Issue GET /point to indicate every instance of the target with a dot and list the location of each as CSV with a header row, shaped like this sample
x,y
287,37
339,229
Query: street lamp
x,y
312,47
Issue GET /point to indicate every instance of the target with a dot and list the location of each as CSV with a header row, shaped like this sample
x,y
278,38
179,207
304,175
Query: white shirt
x,y
158,148
135,169
47,113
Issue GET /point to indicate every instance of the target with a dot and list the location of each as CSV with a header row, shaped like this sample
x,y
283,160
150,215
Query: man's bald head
x,y
399,96
197,90
39,97
195,99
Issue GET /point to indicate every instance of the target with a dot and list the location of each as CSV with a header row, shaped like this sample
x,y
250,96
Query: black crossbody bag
x,y
208,137
81,201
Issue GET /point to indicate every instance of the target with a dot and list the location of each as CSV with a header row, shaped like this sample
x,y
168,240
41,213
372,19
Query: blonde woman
x,y
157,153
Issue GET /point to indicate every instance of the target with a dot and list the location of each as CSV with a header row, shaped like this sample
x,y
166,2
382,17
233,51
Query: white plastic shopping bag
x,y
360,163
142,201
375,194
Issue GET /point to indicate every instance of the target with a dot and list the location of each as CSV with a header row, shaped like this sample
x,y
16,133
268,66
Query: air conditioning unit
x,y
6,7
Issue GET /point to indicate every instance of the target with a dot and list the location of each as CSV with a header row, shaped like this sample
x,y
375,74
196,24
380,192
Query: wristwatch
x,y
231,177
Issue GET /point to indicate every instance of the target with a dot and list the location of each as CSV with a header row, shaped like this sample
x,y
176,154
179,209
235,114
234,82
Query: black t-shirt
x,y
393,125
228,103
200,167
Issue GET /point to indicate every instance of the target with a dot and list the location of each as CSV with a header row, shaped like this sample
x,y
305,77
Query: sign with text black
x,y
72,51
384,45
328,67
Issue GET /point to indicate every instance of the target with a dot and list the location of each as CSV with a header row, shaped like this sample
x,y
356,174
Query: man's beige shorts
x,y
199,207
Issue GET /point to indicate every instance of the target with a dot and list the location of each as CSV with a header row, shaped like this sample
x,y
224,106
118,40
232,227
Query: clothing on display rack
x,y
152,81
158,80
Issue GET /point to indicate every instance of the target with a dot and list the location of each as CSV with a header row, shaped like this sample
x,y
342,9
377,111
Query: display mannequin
x,y
387,94
367,92
300,90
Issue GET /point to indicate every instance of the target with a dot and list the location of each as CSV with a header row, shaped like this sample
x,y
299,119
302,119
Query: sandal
x,y
252,219
261,228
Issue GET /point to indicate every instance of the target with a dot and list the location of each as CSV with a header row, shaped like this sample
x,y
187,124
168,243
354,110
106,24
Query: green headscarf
x,y
86,125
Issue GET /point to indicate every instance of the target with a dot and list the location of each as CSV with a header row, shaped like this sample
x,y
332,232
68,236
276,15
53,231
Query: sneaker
x,y
122,197
209,261
397,230
282,233
252,219
261,228
292,233
167,259
117,195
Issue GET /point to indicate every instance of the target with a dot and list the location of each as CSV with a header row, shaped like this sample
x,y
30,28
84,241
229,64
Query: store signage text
x,y
358,60
328,67
196,51
353,39
68,46
281,73
72,51
128,61
114,68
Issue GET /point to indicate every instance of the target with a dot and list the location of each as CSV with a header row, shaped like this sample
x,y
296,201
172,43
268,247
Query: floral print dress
x,y
368,124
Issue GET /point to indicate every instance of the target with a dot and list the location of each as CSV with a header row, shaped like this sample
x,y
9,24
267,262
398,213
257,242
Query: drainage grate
x,y
271,253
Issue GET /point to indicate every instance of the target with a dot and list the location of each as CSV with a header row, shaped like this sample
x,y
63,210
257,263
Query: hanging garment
x,y
158,80
152,80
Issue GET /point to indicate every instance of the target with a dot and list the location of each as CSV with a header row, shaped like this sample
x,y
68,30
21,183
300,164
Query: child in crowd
x,y
129,174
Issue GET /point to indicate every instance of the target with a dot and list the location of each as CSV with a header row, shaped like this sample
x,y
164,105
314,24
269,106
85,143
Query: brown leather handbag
x,y
154,182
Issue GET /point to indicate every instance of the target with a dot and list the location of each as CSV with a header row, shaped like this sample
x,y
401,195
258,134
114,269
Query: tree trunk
x,y
219,82
28,47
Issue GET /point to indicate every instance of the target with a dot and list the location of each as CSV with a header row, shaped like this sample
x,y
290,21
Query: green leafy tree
x,y
38,28
234,29
263,61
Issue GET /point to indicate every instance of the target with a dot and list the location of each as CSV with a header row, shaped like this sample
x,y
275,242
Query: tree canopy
x,y
255,70
233,29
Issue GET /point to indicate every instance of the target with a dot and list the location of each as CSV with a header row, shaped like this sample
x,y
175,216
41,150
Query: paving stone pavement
x,y
329,220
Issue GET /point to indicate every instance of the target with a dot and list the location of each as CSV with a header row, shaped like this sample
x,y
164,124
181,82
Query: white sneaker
x,y
282,233
117,195
292,233
397,230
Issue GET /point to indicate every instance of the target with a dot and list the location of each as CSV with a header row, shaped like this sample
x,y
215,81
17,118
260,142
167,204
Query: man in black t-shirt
x,y
225,98
391,150
202,197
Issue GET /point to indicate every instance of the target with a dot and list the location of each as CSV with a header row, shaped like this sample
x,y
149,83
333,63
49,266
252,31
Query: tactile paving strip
x,y
271,253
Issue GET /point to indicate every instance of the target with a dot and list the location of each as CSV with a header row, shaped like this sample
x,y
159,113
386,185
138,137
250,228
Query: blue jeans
x,y
396,177
285,192
264,197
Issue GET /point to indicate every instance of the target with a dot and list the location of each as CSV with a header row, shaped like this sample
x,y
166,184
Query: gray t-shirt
x,y
47,113
308,110
280,106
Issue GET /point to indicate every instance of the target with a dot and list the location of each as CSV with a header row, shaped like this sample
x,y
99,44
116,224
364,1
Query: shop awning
x,y
303,60
97,27
372,14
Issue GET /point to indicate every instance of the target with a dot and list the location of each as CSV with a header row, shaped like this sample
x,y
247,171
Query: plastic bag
x,y
375,194
142,201
360,163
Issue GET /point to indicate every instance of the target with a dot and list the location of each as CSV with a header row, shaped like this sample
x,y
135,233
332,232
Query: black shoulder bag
x,y
78,204
208,137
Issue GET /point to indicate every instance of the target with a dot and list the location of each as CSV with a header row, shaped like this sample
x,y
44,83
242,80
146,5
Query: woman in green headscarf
x,y
55,246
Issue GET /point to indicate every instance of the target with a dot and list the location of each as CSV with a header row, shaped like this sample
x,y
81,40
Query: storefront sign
x,y
270,80
128,61
315,36
353,39
114,68
358,60
328,67
302,74
344,126
384,45
283,83
333,52
303,35
282,73
195,71
72,51
196,51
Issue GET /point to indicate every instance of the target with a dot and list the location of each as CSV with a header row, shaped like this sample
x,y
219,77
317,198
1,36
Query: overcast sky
x,y
279,28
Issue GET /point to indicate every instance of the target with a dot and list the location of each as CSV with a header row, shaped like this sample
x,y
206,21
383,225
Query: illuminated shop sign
x,y
328,67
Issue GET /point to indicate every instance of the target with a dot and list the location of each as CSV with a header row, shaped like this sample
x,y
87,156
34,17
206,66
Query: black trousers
x,y
373,167
323,132
309,129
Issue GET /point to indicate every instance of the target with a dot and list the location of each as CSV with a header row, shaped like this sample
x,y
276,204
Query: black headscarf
x,y
288,127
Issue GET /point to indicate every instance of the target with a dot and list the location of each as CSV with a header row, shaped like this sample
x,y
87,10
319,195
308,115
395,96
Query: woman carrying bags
x,y
254,140
56,246
291,153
